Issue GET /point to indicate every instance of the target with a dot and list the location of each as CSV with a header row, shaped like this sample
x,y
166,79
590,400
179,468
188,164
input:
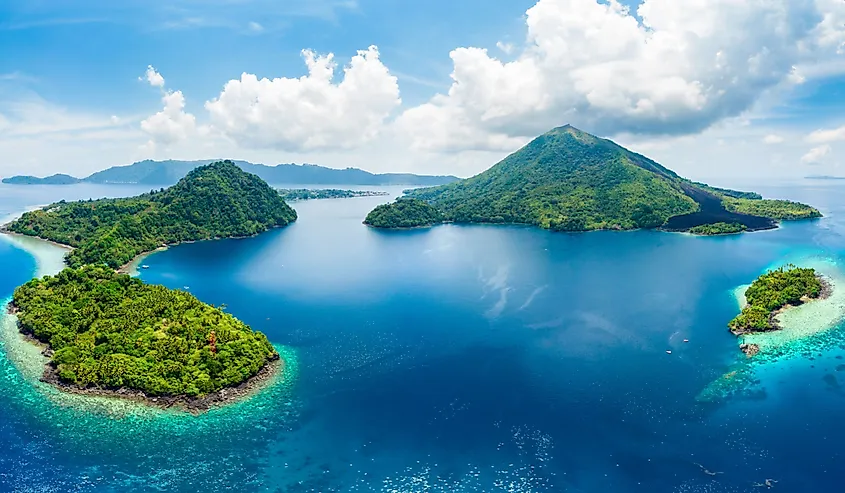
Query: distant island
x,y
217,200
824,177
569,180
57,179
294,194
110,334
165,173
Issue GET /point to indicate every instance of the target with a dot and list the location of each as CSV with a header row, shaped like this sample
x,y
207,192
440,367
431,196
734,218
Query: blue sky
x,y
74,96
92,54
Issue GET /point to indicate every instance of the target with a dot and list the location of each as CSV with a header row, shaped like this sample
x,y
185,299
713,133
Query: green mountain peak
x,y
567,179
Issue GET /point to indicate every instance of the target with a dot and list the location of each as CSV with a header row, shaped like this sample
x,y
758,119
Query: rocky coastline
x,y
194,405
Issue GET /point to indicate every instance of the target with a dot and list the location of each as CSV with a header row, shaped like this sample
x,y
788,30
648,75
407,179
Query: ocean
x,y
462,359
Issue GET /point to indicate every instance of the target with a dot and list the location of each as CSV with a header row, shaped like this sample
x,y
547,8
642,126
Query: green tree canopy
x,y
113,331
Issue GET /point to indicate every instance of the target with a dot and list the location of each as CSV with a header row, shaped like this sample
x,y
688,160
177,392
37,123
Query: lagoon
x,y
463,358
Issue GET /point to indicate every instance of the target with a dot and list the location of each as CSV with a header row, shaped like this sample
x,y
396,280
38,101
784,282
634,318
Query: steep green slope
x,y
112,331
218,200
566,180
570,180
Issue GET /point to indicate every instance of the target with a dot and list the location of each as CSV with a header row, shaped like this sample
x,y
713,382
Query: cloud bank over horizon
x,y
666,77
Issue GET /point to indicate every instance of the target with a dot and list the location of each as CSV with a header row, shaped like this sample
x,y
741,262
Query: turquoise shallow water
x,y
463,359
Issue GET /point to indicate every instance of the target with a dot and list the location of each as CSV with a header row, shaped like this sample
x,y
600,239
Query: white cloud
x,y
772,139
683,67
507,48
311,112
153,77
255,27
816,154
42,138
171,124
824,136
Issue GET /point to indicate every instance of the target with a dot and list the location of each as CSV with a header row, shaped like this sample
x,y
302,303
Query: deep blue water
x,y
465,358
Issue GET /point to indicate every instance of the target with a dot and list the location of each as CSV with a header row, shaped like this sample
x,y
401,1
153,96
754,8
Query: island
x,y
168,172
296,194
404,213
110,334
57,179
217,200
718,229
569,180
772,293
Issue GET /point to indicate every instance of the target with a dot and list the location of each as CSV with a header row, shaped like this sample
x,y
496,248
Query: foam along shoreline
x,y
30,359
132,266
805,320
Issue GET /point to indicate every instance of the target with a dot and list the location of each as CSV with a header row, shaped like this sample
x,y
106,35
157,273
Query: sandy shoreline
x,y
30,356
807,319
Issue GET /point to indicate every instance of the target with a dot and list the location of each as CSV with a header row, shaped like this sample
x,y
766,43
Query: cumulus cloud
x,y
824,136
312,112
153,77
170,125
816,154
679,68
772,139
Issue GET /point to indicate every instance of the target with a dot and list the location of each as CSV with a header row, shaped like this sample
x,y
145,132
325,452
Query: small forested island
x,y
718,229
111,334
218,200
294,194
569,180
404,213
57,179
774,291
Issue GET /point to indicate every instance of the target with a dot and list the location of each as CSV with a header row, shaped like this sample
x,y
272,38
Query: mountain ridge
x,y
168,172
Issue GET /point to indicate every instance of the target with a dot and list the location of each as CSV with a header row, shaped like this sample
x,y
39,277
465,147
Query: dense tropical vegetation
x,y
782,210
718,229
112,331
218,200
789,285
293,194
404,213
569,180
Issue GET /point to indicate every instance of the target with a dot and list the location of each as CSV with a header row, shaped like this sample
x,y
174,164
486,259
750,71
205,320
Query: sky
x,y
713,89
